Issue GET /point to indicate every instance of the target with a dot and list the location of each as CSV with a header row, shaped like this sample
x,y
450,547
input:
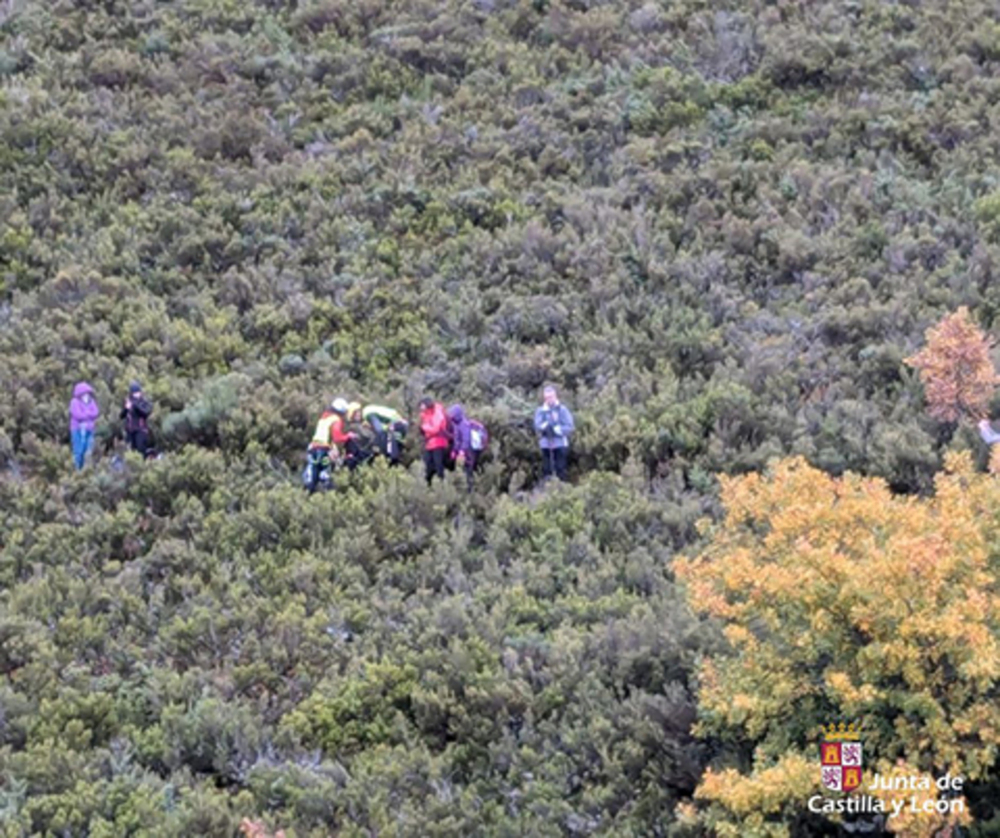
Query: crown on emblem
x,y
839,732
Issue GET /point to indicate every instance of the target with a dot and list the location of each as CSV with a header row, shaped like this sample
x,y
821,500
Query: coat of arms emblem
x,y
840,757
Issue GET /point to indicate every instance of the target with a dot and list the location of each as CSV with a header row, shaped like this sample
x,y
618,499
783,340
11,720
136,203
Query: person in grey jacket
x,y
554,425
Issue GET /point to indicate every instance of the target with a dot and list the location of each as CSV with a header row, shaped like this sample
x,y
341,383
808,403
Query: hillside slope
x,y
719,227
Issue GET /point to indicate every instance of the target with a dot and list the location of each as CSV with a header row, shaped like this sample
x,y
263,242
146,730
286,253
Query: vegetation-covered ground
x,y
719,227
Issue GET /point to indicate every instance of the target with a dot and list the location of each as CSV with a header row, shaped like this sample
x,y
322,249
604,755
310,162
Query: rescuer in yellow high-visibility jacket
x,y
331,430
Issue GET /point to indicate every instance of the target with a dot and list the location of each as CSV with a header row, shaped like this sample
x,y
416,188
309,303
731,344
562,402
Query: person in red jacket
x,y
437,437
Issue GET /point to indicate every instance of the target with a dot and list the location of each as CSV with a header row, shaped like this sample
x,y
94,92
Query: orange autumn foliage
x,y
841,601
955,368
255,829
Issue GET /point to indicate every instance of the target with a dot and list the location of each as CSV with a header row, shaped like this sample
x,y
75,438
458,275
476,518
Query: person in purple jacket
x,y
462,452
83,413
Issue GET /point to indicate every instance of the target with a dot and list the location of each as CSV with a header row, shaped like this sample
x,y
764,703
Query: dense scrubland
x,y
719,227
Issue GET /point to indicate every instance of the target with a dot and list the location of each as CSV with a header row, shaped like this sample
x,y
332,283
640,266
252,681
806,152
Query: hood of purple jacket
x,y
83,413
461,431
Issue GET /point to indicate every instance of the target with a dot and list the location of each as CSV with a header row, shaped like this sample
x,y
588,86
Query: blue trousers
x,y
82,440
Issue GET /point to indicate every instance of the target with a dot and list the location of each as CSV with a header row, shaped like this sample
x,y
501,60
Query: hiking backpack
x,y
478,436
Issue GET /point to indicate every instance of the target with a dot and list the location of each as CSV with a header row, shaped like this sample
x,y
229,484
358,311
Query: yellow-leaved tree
x,y
843,601
255,829
955,368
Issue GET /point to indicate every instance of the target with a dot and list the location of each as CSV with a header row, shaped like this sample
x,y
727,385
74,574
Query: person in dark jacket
x,y
83,413
135,414
387,425
437,437
554,425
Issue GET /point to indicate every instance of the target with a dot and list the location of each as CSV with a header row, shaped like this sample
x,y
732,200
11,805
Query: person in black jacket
x,y
135,414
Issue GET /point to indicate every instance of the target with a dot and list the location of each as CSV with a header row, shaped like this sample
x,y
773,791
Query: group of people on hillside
x,y
350,433
84,412
337,432
451,439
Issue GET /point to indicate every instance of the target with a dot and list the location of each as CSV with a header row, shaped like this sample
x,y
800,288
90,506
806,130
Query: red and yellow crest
x,y
840,757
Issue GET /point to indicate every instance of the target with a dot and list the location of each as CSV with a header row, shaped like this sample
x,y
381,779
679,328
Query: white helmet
x,y
339,405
